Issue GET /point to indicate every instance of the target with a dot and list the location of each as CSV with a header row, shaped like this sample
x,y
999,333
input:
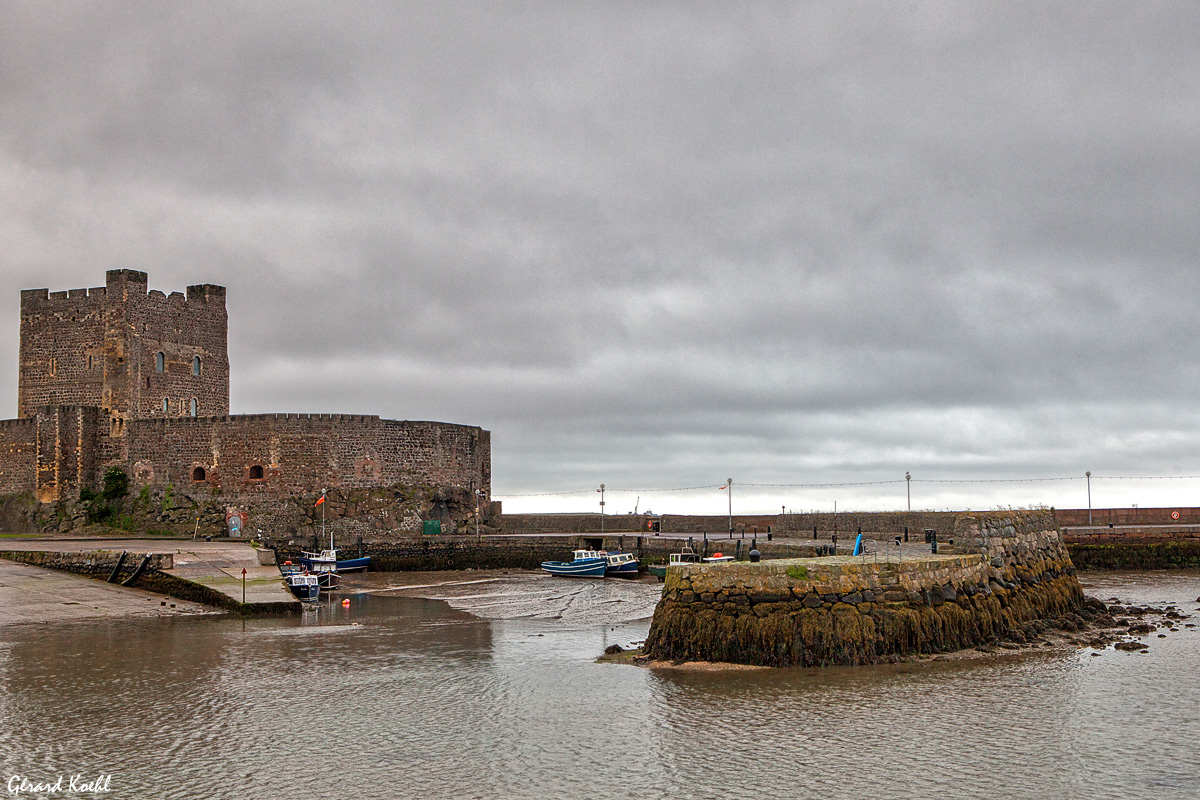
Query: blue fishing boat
x,y
583,564
320,562
305,586
621,565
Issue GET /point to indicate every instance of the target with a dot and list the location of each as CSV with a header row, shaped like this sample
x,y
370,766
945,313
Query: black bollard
x,y
755,556
906,533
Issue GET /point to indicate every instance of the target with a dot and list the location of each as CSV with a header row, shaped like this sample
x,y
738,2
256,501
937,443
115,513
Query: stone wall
x,y
275,455
1132,535
454,552
1012,571
18,456
874,525
1070,517
1184,554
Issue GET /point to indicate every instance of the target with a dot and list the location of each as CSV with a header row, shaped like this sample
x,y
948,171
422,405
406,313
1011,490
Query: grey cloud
x,y
794,239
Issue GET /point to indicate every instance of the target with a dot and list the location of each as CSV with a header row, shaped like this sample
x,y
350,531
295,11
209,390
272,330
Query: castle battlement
x,y
40,298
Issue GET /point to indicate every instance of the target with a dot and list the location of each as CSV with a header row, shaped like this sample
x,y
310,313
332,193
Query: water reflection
x,y
398,697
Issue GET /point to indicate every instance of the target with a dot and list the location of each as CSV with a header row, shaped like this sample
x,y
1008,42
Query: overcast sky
x,y
653,245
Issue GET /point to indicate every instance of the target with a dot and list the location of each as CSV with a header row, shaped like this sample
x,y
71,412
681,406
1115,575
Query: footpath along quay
x,y
205,572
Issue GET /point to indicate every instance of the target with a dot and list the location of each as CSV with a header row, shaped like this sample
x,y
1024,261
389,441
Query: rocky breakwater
x,y
1009,574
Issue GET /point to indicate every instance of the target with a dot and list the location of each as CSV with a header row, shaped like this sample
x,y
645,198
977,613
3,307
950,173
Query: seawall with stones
x,y
1009,570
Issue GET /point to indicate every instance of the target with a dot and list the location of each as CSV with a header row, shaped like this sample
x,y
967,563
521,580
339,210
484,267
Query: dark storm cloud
x,y
651,242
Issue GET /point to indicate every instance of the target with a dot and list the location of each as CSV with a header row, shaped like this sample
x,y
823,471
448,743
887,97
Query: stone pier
x,y
1008,570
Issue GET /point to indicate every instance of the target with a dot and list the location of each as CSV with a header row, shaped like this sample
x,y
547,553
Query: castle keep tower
x,y
133,353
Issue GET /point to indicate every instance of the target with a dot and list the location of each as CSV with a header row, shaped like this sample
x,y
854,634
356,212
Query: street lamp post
x,y
729,486
908,487
1088,475
478,502
601,490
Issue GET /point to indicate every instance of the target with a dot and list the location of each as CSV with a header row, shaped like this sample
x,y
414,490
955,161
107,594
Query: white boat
x,y
621,565
304,585
717,557
686,555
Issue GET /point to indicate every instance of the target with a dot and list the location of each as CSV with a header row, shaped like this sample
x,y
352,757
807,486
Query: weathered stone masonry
x,y
121,376
1010,573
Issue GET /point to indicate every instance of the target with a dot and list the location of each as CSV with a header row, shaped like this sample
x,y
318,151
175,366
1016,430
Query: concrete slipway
x,y
30,593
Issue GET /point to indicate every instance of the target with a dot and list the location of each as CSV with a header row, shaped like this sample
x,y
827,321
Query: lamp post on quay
x,y
601,491
729,486
1088,475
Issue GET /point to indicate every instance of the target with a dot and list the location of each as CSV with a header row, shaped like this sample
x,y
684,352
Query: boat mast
x,y
323,520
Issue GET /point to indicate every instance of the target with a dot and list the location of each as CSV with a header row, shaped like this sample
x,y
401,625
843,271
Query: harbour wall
x,y
1145,545
1010,570
874,525
456,552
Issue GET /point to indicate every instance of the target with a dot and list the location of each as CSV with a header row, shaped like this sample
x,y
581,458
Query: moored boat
x,y
326,557
621,565
686,555
583,564
304,585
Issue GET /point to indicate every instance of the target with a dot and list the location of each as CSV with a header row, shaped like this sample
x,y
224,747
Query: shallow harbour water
x,y
486,686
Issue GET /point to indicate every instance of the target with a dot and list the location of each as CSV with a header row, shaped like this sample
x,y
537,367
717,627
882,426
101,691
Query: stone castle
x,y
121,376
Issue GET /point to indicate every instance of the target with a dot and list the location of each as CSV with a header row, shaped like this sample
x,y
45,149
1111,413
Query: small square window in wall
x,y
166,405
256,472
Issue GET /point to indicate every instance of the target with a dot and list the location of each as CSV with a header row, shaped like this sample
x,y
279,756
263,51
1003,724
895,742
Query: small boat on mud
x,y
583,564
304,585
620,565
326,557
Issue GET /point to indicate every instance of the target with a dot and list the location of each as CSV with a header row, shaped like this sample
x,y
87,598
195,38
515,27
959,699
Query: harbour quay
x,y
1008,570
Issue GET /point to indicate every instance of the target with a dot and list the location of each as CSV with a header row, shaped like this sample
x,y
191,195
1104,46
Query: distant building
x,y
121,376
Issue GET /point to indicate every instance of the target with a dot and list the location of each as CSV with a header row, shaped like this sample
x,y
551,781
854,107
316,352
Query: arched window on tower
x,y
196,365
195,406
166,405
160,362
256,472
198,474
